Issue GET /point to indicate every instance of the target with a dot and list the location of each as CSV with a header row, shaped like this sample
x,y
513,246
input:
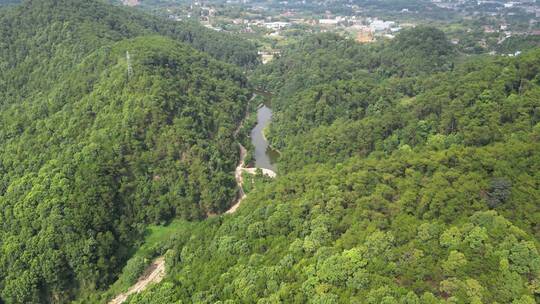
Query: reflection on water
x,y
265,156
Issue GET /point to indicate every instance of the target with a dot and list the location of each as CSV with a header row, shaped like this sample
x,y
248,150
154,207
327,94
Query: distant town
x,y
475,26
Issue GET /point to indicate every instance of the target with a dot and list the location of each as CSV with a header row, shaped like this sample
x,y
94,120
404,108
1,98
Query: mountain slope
x,y
395,188
42,40
105,154
96,144
412,228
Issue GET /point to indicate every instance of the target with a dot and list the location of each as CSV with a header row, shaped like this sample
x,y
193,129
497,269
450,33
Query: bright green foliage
x,y
518,42
91,152
44,40
333,234
409,174
252,182
402,185
161,294
133,269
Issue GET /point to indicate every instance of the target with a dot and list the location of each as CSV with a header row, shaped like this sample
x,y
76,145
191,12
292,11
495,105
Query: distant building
x,y
175,17
288,14
380,25
276,25
209,26
328,22
488,29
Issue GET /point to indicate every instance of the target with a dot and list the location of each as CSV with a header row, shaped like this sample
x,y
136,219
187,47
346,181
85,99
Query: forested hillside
x,y
43,40
408,173
403,183
329,57
106,126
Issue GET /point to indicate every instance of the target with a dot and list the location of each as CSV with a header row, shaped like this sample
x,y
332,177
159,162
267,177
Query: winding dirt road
x,y
239,180
153,274
156,271
241,168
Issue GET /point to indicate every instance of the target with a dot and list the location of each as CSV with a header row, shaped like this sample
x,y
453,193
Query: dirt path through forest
x,y
153,274
156,271
239,180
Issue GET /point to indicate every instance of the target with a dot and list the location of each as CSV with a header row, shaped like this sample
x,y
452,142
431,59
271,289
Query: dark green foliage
x,y
324,58
387,179
92,153
418,50
499,192
302,64
412,225
42,40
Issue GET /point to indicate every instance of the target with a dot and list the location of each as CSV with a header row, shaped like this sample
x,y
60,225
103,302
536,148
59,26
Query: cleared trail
x,y
241,168
153,274
239,180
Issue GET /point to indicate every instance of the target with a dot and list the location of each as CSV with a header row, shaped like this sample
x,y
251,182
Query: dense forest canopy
x,y
368,231
43,39
408,173
109,120
328,57
411,175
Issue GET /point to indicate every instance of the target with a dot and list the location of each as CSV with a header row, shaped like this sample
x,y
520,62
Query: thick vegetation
x,y
411,228
404,183
97,143
43,40
408,174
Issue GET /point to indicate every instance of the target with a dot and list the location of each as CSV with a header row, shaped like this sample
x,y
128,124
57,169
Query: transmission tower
x,y
129,67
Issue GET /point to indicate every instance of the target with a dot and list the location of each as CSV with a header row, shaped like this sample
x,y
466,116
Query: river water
x,y
265,156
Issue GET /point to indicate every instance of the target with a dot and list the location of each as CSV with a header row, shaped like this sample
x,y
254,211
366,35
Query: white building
x,y
380,25
276,25
328,21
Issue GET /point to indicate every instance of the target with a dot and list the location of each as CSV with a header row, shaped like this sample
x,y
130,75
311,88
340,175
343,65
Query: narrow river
x,y
265,156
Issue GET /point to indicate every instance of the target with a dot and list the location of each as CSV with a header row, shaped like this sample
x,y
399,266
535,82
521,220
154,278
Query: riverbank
x,y
270,145
265,157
